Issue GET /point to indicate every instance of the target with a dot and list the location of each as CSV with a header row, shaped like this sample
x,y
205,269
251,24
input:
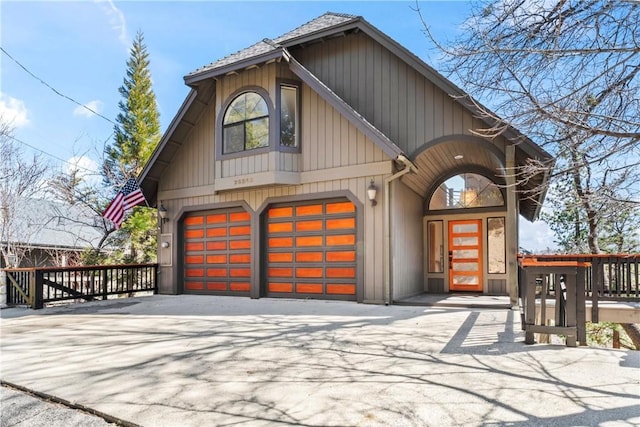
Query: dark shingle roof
x,y
265,46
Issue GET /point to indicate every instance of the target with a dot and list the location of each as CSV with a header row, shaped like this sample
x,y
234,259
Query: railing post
x,y
37,297
570,307
156,272
530,305
581,305
597,279
105,294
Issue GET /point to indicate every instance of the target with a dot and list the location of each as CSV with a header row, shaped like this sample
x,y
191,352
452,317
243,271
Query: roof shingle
x,y
321,23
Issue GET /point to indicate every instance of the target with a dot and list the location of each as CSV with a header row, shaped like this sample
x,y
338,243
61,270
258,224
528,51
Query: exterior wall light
x,y
372,190
164,245
162,211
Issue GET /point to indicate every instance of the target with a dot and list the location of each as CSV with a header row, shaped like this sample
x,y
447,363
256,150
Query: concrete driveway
x,y
203,361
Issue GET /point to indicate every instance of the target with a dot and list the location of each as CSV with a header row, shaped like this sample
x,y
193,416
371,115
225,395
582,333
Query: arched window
x,y
245,125
467,190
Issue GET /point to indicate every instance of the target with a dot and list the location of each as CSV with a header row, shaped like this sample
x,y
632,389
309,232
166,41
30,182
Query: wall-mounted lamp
x,y
164,245
162,211
372,190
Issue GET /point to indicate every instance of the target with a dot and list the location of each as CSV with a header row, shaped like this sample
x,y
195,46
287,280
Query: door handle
x,y
450,260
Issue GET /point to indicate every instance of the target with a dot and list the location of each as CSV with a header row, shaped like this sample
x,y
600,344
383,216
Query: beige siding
x,y
390,94
193,165
406,242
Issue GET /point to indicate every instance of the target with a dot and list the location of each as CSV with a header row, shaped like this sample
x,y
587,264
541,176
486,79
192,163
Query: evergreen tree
x,y
137,134
138,130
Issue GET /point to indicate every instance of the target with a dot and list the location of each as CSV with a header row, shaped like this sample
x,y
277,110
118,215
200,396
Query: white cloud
x,y
88,169
13,111
94,105
116,20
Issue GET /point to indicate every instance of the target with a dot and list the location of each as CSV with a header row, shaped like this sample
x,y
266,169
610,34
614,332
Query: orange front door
x,y
465,255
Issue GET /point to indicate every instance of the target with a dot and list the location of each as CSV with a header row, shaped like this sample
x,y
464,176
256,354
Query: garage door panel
x,y
194,286
280,287
309,288
341,289
311,250
309,257
341,240
217,248
306,210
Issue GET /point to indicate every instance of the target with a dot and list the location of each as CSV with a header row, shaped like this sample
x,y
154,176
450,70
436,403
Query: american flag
x,y
129,196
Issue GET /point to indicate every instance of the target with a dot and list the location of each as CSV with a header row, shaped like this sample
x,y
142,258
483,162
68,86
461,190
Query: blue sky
x,y
80,48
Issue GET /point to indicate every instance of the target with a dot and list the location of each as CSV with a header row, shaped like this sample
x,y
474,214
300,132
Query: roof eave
x,y
191,79
325,32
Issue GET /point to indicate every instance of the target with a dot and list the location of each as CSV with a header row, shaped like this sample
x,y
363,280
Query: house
x,y
43,233
332,163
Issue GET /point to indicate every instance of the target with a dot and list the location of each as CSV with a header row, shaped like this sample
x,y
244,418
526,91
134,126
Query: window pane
x,y
465,266
233,138
468,190
465,241
436,248
236,111
465,254
496,243
255,106
257,133
465,280
288,120
465,228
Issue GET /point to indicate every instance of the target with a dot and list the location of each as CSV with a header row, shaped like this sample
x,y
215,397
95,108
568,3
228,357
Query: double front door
x,y
465,255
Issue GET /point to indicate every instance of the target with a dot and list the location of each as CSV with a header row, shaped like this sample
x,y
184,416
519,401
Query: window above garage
x,y
250,123
245,125
288,109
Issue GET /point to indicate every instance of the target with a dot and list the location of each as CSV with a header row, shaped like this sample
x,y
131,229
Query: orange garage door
x,y
311,250
217,252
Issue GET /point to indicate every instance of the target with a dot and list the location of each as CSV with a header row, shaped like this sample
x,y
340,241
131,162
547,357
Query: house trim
x,y
342,172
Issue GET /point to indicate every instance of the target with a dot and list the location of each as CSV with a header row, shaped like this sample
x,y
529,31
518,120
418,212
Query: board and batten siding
x,y
409,109
406,242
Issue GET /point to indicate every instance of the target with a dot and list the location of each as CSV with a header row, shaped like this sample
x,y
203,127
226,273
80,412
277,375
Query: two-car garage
x,y
308,250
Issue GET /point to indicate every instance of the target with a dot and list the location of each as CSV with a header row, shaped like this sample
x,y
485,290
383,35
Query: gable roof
x,y
326,26
267,47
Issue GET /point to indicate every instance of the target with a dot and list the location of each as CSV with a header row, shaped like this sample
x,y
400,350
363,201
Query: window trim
x,y
295,84
219,131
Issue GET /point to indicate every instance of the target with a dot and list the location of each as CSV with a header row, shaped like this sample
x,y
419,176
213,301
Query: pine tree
x,y
137,134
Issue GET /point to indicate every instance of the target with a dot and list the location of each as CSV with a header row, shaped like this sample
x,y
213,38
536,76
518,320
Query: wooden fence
x,y
36,287
569,282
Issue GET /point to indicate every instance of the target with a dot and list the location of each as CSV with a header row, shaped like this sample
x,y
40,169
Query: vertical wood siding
x,y
398,100
406,238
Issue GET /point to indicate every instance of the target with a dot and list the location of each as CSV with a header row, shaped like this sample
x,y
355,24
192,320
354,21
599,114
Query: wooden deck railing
x,y
570,281
37,286
608,277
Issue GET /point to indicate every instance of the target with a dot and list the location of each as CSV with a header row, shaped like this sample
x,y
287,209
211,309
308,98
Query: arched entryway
x,y
465,211
465,243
